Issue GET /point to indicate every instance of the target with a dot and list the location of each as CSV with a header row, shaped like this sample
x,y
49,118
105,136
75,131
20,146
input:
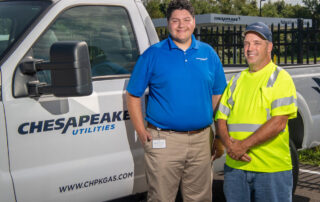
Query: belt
x,y
174,131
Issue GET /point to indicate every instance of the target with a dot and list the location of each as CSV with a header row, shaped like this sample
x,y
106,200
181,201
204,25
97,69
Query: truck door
x,y
6,191
80,148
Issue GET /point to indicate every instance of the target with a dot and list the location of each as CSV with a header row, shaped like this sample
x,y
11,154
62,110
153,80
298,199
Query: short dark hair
x,y
179,5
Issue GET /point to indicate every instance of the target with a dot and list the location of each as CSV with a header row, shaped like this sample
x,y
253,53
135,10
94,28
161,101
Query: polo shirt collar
x,y
194,43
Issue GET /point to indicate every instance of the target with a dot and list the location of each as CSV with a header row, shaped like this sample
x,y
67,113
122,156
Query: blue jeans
x,y
246,186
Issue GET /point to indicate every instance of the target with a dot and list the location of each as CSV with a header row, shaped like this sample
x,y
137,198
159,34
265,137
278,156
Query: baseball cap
x,y
260,28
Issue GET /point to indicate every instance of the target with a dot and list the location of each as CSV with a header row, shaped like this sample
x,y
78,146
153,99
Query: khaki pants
x,y
185,161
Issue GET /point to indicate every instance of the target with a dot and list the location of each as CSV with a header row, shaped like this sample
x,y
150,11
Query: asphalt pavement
x,y
308,187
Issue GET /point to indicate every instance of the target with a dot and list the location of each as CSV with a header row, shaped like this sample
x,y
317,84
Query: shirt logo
x,y
203,59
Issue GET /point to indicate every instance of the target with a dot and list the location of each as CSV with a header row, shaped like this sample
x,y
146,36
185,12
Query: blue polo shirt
x,y
181,84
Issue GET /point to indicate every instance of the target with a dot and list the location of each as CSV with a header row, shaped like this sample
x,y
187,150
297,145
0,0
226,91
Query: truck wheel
x,y
295,164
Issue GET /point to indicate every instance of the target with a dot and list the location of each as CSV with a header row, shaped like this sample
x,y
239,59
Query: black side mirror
x,y
70,71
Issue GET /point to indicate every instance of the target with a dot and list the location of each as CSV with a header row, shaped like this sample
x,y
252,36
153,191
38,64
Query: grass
x,y
282,60
310,156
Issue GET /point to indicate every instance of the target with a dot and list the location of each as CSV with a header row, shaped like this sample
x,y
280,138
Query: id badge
x,y
158,143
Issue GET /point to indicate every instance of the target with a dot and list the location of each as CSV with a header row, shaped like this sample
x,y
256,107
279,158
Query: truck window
x,y
0,86
15,18
107,31
5,27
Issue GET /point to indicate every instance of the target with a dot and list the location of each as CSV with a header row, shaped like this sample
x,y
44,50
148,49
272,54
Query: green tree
x,y
153,8
299,11
249,8
314,8
269,10
225,6
203,7
280,9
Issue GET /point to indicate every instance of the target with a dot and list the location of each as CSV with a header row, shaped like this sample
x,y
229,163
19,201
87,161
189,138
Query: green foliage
x,y
314,8
238,7
299,12
250,8
282,10
153,8
225,6
203,7
310,156
278,9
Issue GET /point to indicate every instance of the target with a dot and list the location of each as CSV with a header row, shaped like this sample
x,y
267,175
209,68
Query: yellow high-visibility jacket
x,y
249,101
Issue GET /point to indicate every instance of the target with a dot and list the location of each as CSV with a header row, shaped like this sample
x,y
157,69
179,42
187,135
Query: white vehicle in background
x,y
65,132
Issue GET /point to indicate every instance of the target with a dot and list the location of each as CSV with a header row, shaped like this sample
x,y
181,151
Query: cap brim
x,y
254,31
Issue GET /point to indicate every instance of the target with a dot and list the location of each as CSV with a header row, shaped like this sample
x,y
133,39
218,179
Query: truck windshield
x,y
15,18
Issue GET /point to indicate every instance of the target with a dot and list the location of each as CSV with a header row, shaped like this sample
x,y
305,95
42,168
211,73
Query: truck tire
x,y
295,164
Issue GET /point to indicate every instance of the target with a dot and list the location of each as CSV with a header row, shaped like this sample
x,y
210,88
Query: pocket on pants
x,y
147,143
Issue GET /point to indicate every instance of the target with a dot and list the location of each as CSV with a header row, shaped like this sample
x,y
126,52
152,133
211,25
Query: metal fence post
x,y
300,41
316,30
198,33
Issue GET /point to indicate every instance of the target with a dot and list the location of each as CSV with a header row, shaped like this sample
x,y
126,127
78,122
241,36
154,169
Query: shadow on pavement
x,y
297,198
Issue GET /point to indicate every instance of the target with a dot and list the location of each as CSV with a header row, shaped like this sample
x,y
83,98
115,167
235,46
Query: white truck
x,y
65,132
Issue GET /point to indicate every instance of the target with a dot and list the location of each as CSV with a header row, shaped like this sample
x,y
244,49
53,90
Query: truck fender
x,y
304,124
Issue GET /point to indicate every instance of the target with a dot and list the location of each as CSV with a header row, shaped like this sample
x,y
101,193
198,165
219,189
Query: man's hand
x,y
237,150
245,157
144,137
217,149
135,111
230,143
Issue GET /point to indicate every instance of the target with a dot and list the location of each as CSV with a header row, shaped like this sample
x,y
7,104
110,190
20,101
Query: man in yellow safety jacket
x,y
253,124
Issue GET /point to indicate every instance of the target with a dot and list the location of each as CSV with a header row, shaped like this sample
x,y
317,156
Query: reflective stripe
x,y
222,108
268,114
243,127
283,102
274,104
233,87
273,77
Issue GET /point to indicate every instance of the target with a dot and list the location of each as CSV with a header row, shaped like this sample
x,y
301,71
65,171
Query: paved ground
x,y
308,187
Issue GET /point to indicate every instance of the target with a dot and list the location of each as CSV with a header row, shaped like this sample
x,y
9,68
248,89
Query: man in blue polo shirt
x,y
185,80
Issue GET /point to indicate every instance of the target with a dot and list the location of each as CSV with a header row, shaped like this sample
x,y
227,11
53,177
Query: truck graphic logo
x,y
80,125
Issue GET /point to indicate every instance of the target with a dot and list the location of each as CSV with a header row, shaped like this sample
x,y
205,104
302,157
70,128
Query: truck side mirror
x,y
70,71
